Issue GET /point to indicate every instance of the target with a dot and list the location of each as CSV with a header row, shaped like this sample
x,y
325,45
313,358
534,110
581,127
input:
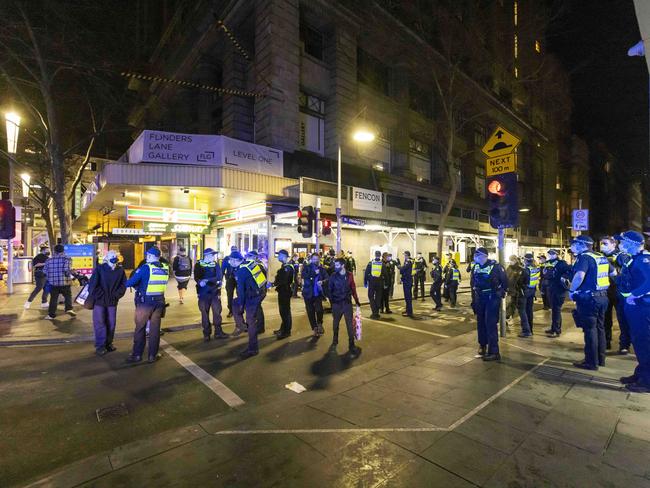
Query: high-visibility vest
x,y
602,270
256,272
414,271
375,269
207,265
158,278
455,274
533,279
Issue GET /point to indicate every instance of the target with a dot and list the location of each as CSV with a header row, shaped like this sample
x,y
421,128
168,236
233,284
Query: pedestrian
x,y
634,286
150,281
251,290
544,282
341,291
392,273
58,273
407,272
387,283
229,276
470,269
591,273
350,263
209,278
513,273
420,276
373,280
38,263
106,286
262,262
490,284
295,284
616,259
314,279
182,267
524,289
452,281
436,285
283,284
557,272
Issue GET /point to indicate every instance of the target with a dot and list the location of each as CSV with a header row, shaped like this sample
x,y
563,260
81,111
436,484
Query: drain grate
x,y
112,412
561,374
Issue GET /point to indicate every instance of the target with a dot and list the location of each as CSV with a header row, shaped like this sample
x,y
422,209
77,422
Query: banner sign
x,y
154,146
369,200
126,231
83,257
161,228
137,213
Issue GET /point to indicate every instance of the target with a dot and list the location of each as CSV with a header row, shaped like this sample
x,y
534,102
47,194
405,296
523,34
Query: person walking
x,y
407,272
436,285
58,273
490,284
106,286
420,276
283,284
524,289
616,302
557,272
182,267
208,277
341,291
452,281
150,281
38,263
373,280
314,278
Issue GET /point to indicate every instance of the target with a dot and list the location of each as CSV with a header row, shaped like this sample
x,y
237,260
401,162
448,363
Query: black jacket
x,y
107,285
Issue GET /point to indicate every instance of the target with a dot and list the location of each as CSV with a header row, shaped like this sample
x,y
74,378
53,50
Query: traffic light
x,y
327,227
7,220
503,200
306,218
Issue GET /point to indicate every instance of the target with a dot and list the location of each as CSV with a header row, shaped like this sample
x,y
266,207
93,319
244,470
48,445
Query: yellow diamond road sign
x,y
500,165
502,142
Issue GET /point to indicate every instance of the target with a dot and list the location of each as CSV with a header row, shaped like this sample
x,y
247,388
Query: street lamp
x,y
12,120
361,134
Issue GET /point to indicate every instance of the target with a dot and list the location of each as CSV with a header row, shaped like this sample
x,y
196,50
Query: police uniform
x,y
556,271
313,294
341,291
231,283
251,290
373,279
283,285
543,285
420,277
150,281
591,302
527,286
387,282
452,280
209,296
436,285
470,270
617,259
407,272
490,284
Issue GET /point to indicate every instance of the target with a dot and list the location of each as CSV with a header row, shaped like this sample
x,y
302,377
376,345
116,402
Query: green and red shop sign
x,y
137,213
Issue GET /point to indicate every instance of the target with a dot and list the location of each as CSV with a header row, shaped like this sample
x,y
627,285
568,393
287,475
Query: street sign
x,y
500,143
500,165
580,220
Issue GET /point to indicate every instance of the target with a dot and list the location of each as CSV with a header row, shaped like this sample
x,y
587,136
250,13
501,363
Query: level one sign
x,y
501,165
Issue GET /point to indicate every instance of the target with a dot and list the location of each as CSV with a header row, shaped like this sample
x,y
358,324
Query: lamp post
x,y
12,120
362,135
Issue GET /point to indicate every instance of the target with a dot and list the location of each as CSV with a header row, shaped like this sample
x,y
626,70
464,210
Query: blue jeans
x,y
104,319
147,312
525,306
40,280
209,303
487,316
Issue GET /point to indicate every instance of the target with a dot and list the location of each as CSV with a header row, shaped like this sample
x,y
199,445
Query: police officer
x,y
557,271
295,264
490,284
407,272
251,290
373,279
392,274
255,257
608,248
283,285
452,280
591,272
150,281
420,276
470,269
525,292
634,285
229,276
543,281
314,279
208,277
436,285
341,291
350,263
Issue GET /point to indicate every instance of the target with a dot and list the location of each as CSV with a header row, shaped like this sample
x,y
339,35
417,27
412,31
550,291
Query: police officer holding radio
x,y
634,286
617,259
150,281
557,271
283,285
490,284
591,272
526,287
407,272
373,279
208,277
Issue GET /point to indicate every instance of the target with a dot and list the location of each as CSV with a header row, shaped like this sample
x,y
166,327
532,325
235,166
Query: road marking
x,y
221,390
333,431
407,328
524,349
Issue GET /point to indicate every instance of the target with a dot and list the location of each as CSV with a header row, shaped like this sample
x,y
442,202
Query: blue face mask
x,y
113,260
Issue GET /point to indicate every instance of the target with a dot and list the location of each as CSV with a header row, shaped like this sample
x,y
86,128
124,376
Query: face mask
x,y
113,260
47,253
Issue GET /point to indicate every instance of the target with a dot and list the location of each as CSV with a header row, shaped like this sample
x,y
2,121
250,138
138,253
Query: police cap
x,y
529,255
208,251
377,254
283,251
236,255
630,235
583,239
553,251
481,250
152,250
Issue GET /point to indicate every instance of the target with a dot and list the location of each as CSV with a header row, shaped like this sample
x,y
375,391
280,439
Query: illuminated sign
x,y
125,231
136,213
160,228
83,257
249,212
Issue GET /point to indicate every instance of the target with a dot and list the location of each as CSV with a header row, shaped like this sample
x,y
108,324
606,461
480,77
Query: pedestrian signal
x,y
306,217
327,227
503,200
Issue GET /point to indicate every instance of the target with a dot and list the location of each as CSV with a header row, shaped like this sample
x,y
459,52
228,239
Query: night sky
x,y
608,88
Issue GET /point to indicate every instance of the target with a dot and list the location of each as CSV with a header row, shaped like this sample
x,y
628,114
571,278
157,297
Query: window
x,y
480,135
420,158
311,126
538,47
372,72
313,41
479,181
378,151
400,202
421,101
455,212
429,207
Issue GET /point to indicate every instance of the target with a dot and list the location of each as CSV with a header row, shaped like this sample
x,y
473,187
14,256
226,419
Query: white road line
x,y
333,431
524,349
480,407
225,393
407,328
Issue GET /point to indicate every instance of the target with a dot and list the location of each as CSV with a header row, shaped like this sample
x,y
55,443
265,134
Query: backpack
x,y
183,263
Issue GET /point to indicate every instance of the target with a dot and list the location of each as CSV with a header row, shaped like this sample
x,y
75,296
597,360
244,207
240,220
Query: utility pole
x,y
501,245
317,224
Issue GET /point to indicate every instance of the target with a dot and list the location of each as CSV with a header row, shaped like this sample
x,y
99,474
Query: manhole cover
x,y
113,412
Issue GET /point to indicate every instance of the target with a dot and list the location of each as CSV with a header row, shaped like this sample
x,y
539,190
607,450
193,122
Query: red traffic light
x,y
299,213
495,187
327,223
